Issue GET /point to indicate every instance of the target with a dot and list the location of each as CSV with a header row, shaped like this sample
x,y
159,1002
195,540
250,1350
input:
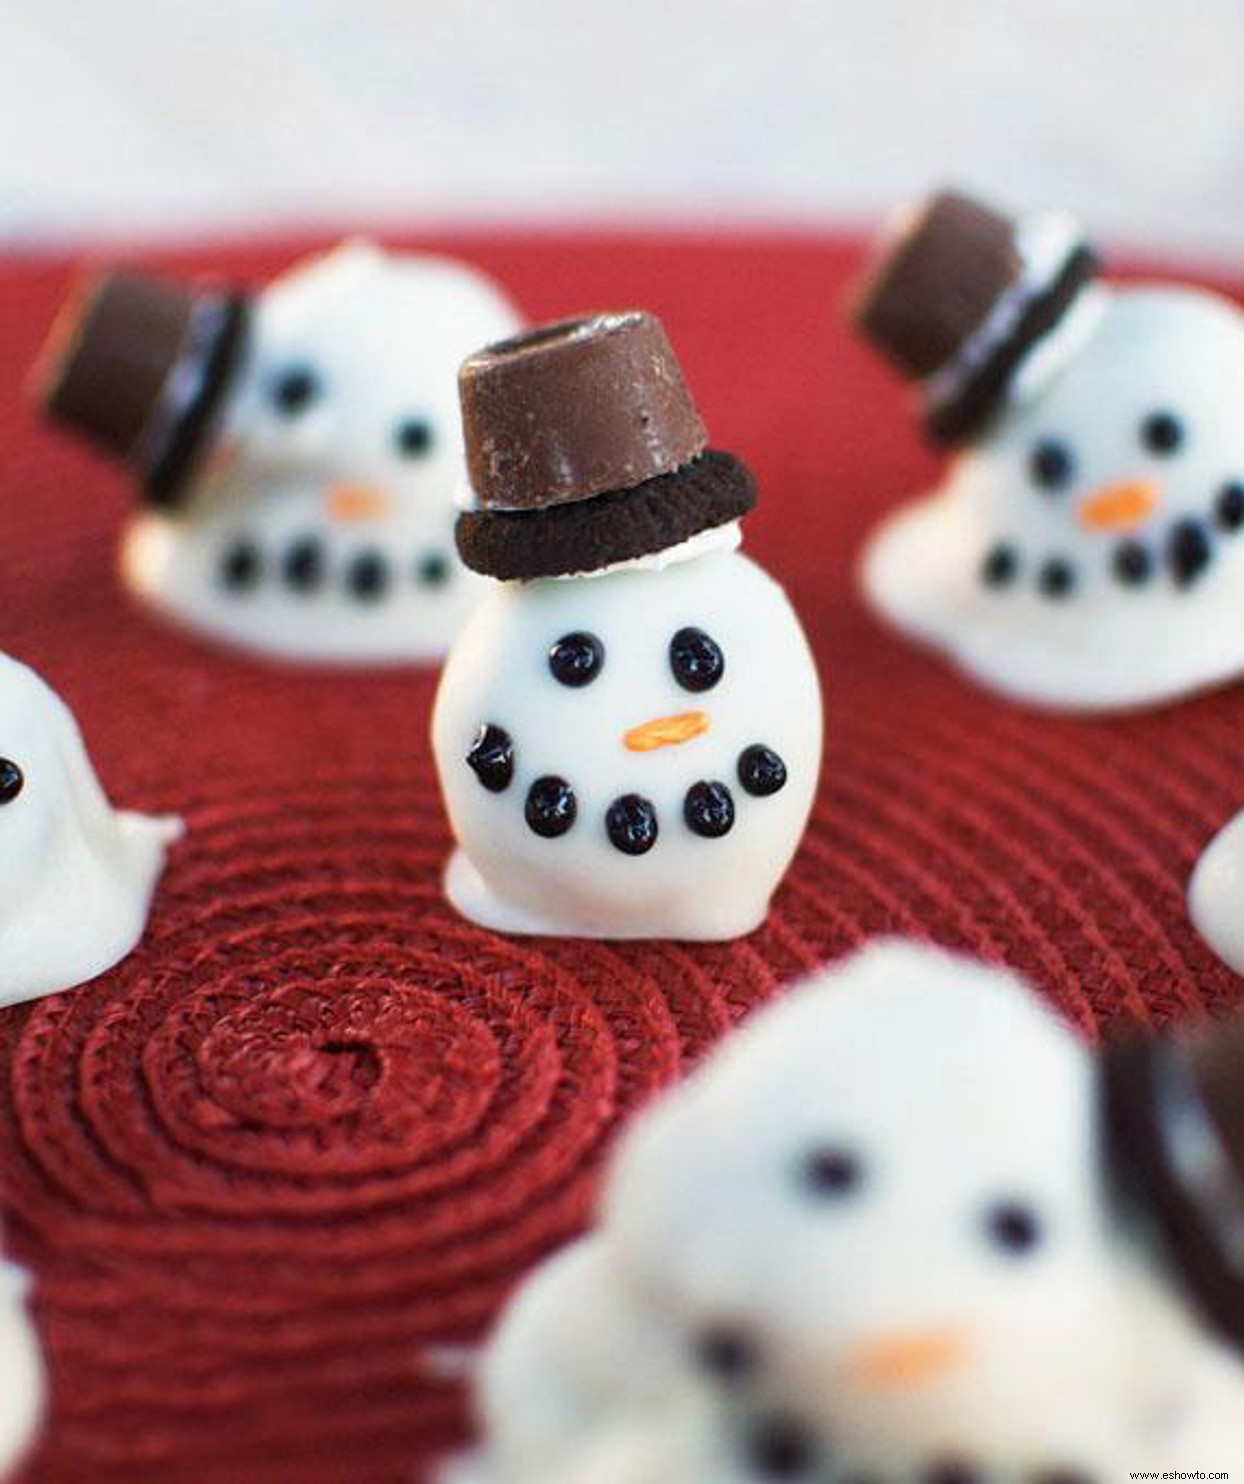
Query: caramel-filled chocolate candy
x,y
575,409
138,367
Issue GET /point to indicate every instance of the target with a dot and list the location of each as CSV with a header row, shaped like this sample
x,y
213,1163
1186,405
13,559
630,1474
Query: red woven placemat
x,y
316,1124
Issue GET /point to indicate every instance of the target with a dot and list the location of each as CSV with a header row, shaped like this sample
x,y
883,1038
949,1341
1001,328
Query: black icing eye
x,y
831,1172
1052,464
413,437
696,660
727,1351
294,390
12,780
576,659
491,758
1163,433
1014,1227
433,569
551,807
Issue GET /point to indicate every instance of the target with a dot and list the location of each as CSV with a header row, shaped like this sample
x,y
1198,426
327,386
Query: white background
x,y
166,117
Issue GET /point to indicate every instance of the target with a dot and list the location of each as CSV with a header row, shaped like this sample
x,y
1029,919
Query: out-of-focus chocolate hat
x,y
140,368
960,295
1173,1124
584,448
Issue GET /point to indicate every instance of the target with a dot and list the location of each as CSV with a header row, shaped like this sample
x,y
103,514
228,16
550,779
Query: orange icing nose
x,y
349,503
1119,507
901,1360
666,731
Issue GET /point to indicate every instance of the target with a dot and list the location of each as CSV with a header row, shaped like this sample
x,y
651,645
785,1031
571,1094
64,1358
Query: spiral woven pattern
x,y
275,1168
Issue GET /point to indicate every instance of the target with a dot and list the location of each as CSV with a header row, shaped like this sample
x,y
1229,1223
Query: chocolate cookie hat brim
x,y
1173,1142
623,525
959,298
140,368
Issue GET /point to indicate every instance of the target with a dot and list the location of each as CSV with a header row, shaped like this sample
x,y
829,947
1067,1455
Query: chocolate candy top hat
x,y
1173,1123
584,448
960,296
140,368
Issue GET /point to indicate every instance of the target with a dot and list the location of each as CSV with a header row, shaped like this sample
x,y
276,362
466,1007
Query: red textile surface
x,y
315,1123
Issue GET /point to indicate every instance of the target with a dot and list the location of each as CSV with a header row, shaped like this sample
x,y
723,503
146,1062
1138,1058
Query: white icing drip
x,y
717,538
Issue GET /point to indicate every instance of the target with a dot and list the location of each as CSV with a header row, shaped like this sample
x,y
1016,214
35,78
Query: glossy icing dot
x,y
761,771
1014,1227
1163,433
576,659
831,1172
413,437
1189,552
12,780
303,565
1132,563
631,823
551,807
1000,566
709,810
294,390
1229,506
1057,578
696,660
727,1351
434,569
491,758
367,577
780,1447
1052,464
241,566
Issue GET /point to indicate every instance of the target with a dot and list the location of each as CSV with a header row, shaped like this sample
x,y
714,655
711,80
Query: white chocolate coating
x,y
1216,894
1107,643
22,1382
76,876
687,886
888,1321
383,335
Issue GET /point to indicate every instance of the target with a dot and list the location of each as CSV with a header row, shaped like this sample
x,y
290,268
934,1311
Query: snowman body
x,y
22,1383
637,751
76,876
320,526
1088,550
1216,894
873,1228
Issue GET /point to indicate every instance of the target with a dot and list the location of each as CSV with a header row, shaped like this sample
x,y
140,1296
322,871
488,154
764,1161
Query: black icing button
x,y
491,758
12,780
433,569
1000,567
727,1351
1229,506
709,810
303,565
761,771
367,577
779,1447
696,660
1188,552
1057,578
241,566
1132,563
631,823
551,808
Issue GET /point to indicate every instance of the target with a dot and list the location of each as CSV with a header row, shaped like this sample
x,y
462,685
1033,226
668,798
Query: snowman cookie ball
x,y
628,731
76,876
22,1383
1216,894
1086,548
878,1232
298,451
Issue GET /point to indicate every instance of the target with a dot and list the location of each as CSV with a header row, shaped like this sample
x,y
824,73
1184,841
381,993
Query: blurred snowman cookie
x,y
298,450
1216,894
901,1226
22,1382
1086,549
628,731
77,876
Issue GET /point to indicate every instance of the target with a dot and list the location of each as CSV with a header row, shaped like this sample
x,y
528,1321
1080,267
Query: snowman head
x,y
1082,550
878,1207
75,876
